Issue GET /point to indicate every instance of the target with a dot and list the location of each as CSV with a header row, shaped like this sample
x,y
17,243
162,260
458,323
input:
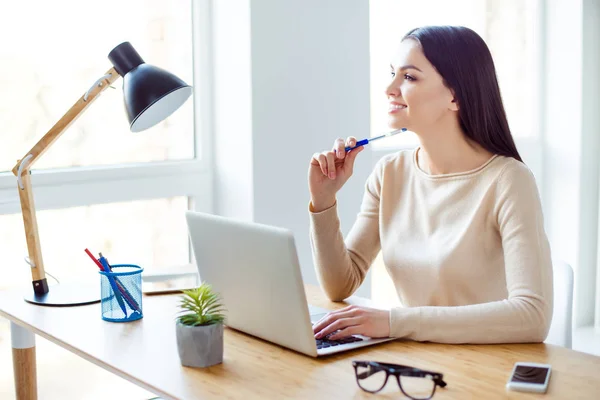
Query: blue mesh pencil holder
x,y
121,293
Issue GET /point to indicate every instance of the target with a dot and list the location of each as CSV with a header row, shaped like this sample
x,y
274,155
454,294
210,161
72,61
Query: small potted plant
x,y
199,328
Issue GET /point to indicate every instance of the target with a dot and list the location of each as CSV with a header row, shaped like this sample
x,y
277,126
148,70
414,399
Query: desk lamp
x,y
150,94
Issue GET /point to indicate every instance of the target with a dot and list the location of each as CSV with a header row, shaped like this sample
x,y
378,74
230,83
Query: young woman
x,y
458,220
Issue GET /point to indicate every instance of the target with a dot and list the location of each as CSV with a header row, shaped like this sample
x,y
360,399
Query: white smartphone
x,y
529,377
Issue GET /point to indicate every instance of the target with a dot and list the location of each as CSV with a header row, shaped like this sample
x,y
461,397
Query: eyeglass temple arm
x,y
437,377
375,367
372,370
440,382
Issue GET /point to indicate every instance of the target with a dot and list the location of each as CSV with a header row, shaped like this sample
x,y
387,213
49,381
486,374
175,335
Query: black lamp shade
x,y
150,93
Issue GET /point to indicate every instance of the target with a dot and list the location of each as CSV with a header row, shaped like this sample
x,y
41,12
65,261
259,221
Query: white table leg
x,y
24,367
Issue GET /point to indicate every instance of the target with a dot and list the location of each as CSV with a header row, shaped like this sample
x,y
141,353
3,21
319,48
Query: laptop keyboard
x,y
324,343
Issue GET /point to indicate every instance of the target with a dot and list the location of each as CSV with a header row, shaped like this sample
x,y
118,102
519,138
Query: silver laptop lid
x,y
255,269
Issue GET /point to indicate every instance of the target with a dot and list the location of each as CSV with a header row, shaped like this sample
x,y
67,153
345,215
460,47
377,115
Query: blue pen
x,y
113,284
126,295
365,141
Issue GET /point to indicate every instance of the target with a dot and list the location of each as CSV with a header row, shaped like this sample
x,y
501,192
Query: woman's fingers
x,y
322,161
350,158
330,164
349,331
333,316
327,159
353,320
351,141
328,317
337,325
339,148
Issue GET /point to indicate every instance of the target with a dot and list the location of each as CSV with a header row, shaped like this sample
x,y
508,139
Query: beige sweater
x,y
467,251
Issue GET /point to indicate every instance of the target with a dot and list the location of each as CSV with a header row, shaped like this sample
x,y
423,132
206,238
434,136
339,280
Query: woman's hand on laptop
x,y
329,171
354,320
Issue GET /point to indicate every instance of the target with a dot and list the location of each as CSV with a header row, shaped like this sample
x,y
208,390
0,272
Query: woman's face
x,y
418,98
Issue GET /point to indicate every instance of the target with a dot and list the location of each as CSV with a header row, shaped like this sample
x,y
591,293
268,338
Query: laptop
x,y
255,269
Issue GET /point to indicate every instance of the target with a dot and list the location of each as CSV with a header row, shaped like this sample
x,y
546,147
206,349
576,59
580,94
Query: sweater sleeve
x,y
342,266
526,314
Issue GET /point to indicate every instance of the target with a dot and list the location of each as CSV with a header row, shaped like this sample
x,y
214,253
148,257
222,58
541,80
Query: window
x,y
46,74
510,29
148,233
100,185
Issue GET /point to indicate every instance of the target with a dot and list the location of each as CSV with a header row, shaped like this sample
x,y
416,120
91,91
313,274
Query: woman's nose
x,y
393,89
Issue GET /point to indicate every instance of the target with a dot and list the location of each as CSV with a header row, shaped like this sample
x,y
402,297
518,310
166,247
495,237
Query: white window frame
x,y
81,186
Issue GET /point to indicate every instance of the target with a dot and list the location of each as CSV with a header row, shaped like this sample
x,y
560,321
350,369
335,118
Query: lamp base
x,y
66,295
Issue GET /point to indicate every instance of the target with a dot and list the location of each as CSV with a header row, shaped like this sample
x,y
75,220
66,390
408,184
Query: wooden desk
x,y
145,353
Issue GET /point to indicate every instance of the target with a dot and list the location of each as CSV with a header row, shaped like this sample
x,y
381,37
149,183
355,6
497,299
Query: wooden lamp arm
x,y
70,116
40,286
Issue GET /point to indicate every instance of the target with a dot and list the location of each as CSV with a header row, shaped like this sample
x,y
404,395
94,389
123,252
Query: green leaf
x,y
201,306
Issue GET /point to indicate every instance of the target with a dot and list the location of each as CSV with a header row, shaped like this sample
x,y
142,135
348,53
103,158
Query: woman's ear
x,y
454,103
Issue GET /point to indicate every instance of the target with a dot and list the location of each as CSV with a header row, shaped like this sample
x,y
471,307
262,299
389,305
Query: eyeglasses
x,y
415,383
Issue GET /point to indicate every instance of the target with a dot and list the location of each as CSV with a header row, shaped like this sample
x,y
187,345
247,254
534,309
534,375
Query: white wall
x,y
562,133
590,181
572,142
232,108
309,81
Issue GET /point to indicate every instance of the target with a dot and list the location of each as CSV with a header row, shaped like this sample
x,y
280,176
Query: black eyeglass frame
x,y
398,370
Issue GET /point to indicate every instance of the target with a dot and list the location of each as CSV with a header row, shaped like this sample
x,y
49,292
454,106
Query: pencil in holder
x,y
121,293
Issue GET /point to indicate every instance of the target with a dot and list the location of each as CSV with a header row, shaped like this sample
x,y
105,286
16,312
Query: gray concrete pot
x,y
200,346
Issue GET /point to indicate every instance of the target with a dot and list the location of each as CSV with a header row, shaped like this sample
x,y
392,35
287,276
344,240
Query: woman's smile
x,y
395,107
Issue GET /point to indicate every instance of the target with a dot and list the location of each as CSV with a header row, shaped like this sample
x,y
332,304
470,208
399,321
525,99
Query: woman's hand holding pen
x,y
329,171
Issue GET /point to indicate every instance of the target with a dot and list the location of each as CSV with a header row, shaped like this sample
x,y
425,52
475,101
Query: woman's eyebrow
x,y
409,66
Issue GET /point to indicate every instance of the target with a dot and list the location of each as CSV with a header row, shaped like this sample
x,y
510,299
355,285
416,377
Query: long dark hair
x,y
465,63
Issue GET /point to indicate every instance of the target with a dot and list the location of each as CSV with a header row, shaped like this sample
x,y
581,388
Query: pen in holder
x,y
121,293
